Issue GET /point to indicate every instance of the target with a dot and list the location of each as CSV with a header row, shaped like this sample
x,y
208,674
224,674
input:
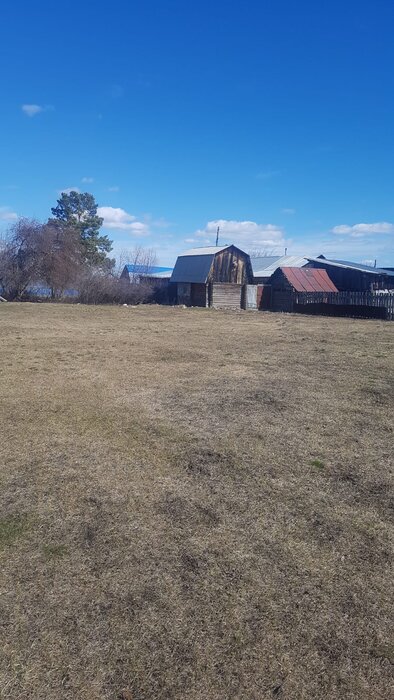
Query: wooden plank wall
x,y
226,296
369,304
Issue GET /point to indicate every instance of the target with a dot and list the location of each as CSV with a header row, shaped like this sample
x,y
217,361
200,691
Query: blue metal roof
x,y
146,269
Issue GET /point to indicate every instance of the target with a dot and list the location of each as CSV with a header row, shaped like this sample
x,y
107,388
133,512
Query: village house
x,y
350,276
287,280
214,276
265,266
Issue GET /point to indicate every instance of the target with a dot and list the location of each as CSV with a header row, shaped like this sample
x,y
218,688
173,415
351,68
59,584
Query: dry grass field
x,y
195,505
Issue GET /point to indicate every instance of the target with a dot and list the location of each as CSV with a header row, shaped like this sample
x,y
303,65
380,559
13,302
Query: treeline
x,y
68,252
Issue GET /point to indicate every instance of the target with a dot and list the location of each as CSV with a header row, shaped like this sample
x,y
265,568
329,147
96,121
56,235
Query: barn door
x,y
250,296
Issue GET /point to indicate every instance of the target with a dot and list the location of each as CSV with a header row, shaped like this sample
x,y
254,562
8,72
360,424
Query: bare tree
x,y
141,261
32,252
19,258
262,252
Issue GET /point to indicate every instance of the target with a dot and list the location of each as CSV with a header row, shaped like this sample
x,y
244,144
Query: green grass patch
x,y
11,528
317,463
54,551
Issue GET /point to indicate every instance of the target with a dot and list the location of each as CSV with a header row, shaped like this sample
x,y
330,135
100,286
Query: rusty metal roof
x,y
308,279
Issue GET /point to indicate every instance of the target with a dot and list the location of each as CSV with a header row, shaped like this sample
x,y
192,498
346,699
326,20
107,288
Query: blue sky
x,y
273,117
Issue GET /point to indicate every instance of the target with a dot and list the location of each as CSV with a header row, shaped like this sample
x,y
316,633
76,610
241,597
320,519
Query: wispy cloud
x,y
114,188
361,230
288,211
67,190
245,234
31,110
6,214
120,220
87,180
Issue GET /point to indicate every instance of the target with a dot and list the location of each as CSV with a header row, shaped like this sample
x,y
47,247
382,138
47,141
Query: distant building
x,y
131,272
350,276
288,280
212,276
265,266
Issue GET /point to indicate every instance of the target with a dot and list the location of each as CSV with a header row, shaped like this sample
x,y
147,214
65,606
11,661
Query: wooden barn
x,y
287,281
213,276
354,277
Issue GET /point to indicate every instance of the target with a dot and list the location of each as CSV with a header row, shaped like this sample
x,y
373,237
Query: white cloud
x,y
360,230
119,219
245,234
67,190
288,211
87,179
6,214
114,188
32,110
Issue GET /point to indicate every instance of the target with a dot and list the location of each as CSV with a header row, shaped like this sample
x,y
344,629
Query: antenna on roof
x,y
217,235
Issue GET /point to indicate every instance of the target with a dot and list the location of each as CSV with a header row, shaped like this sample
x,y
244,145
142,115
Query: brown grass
x,y
195,505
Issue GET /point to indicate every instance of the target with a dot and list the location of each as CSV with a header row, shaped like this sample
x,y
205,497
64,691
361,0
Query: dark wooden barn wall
x,y
198,295
353,280
231,266
183,293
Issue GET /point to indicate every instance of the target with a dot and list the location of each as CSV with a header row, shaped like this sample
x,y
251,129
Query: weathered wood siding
x,y
346,279
264,296
231,266
226,296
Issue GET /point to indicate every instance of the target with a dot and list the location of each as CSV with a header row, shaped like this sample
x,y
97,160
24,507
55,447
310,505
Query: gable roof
x,y
194,265
350,265
192,268
266,266
205,250
308,279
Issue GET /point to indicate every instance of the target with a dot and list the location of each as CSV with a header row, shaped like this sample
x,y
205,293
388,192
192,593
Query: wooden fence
x,y
358,304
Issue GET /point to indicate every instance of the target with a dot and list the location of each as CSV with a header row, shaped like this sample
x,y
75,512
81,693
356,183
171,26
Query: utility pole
x,y
217,236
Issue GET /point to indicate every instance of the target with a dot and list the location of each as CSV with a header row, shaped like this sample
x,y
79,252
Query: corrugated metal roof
x,y
283,261
263,261
351,266
308,279
192,268
207,250
160,275
146,269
